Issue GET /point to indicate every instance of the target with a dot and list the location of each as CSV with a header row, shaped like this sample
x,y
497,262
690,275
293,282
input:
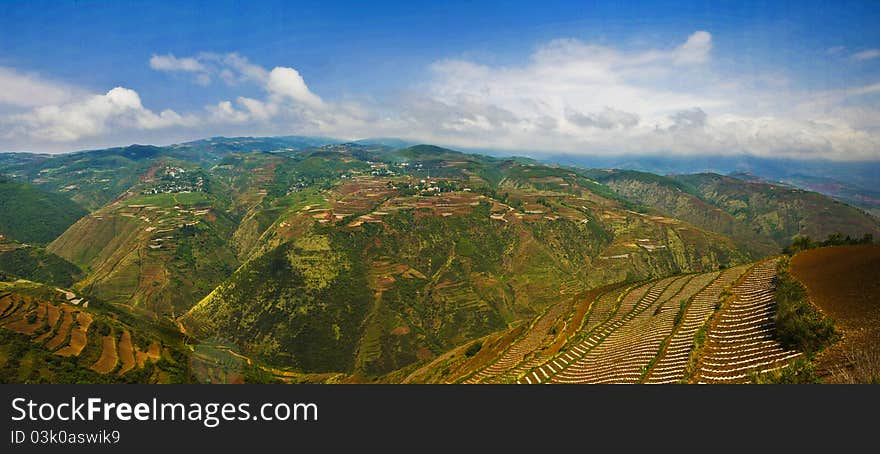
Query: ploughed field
x,y
844,282
714,327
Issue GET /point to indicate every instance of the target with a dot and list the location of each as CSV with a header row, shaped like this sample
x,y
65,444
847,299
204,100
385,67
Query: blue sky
x,y
719,77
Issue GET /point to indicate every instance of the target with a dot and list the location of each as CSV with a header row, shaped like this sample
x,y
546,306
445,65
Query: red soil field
x,y
844,282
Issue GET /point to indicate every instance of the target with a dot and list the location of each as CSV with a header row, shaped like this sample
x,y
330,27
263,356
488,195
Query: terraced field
x,y
741,340
672,362
512,361
626,352
714,327
62,326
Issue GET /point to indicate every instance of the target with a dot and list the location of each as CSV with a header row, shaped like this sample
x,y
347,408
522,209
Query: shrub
x,y
802,242
682,307
473,349
799,325
799,371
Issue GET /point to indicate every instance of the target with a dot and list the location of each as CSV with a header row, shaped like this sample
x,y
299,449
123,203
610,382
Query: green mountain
x,y
94,178
35,264
760,216
31,215
781,212
427,248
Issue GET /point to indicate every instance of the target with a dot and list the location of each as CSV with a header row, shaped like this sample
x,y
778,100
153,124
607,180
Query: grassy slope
x,y
91,179
471,275
31,215
122,267
36,264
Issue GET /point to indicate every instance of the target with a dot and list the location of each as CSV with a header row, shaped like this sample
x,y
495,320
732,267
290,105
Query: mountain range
x,y
309,259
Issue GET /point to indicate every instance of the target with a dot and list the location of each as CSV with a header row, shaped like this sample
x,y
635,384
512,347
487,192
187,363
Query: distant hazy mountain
x,y
857,183
387,142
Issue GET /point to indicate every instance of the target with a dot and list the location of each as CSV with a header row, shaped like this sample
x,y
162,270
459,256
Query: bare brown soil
x,y
126,353
844,282
107,362
153,352
64,330
53,315
78,336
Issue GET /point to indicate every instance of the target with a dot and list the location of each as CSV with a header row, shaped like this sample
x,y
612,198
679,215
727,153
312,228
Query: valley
x,y
307,260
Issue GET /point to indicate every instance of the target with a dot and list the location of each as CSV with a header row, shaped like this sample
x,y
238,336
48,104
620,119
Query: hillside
x,y
682,201
52,335
432,248
94,178
713,327
762,217
58,335
780,212
30,215
852,182
36,264
91,179
161,251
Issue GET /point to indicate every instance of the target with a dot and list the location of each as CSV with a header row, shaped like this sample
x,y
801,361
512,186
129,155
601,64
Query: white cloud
x,y
568,96
869,54
689,119
863,90
231,68
62,118
171,63
238,69
573,96
90,117
608,118
258,110
575,75
224,112
695,49
286,83
579,97
27,90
